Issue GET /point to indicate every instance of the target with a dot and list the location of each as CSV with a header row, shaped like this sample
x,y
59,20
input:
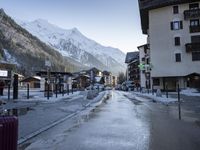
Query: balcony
x,y
190,14
192,47
194,29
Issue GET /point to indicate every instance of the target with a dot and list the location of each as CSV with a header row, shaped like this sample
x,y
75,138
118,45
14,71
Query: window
x,y
156,82
176,25
177,41
178,57
195,56
175,10
194,6
195,39
194,22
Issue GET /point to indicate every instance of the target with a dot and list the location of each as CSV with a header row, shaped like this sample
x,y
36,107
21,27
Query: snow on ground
x,y
162,99
38,96
10,58
190,92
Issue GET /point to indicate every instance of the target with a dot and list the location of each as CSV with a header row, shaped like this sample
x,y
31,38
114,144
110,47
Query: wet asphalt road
x,y
123,124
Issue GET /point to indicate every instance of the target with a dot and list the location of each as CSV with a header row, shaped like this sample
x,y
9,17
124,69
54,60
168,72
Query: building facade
x,y
107,78
133,71
145,66
173,30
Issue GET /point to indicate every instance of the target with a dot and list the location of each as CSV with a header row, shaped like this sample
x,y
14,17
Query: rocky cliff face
x,y
18,46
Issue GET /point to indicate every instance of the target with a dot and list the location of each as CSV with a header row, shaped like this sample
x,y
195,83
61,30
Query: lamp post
x,y
48,65
56,82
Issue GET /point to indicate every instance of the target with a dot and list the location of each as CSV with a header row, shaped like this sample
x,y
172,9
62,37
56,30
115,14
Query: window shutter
x,y
172,26
181,24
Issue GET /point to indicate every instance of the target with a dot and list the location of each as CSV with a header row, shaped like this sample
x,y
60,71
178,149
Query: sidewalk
x,y
190,105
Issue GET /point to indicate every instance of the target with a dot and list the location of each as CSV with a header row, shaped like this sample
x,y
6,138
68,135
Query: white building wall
x,y
142,75
42,84
162,43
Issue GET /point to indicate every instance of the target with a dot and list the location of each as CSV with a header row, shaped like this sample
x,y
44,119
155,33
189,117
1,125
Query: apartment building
x,y
133,72
107,78
173,30
145,66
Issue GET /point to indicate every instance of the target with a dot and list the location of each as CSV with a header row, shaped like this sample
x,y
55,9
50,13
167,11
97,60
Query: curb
x,y
28,137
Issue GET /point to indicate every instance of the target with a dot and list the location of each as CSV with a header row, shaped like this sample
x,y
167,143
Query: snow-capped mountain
x,y
74,44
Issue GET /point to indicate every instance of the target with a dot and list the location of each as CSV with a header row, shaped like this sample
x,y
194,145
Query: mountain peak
x,y
41,21
75,31
2,12
71,42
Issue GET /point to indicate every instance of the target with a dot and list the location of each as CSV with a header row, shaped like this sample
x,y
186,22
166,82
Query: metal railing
x,y
189,14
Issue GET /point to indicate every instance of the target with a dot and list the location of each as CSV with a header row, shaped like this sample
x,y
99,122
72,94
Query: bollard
x,y
152,90
8,91
56,90
179,103
67,89
167,95
27,90
63,91
48,88
15,87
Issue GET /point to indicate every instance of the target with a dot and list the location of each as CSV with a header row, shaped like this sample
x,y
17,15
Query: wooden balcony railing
x,y
194,29
192,47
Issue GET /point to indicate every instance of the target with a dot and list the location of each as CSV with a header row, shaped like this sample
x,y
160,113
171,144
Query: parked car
x,y
108,88
96,86
128,86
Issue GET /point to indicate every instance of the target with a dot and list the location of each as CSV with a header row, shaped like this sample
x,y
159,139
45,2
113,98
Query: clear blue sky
x,y
113,23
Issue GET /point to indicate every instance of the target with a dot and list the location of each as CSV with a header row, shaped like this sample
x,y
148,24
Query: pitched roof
x,y
130,56
29,79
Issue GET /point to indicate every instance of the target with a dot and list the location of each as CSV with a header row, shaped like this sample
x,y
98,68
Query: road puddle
x,y
17,111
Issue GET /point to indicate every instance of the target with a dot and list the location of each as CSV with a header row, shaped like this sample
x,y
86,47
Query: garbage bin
x,y
8,132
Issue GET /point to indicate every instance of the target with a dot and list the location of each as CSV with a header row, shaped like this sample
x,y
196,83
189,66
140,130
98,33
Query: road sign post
x,y
179,103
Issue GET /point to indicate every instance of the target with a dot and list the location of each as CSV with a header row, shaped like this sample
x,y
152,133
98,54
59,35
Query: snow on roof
x,y
130,56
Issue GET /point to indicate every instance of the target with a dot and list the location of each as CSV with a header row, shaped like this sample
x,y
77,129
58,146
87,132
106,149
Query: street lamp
x,y
48,65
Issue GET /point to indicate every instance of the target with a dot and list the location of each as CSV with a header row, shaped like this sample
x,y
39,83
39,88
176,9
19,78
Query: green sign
x,y
141,66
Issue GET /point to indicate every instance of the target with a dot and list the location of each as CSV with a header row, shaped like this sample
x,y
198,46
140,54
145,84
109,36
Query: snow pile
x,y
162,99
190,92
38,96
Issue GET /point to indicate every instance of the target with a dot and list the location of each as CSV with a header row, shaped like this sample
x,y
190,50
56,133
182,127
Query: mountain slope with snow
x,y
72,43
